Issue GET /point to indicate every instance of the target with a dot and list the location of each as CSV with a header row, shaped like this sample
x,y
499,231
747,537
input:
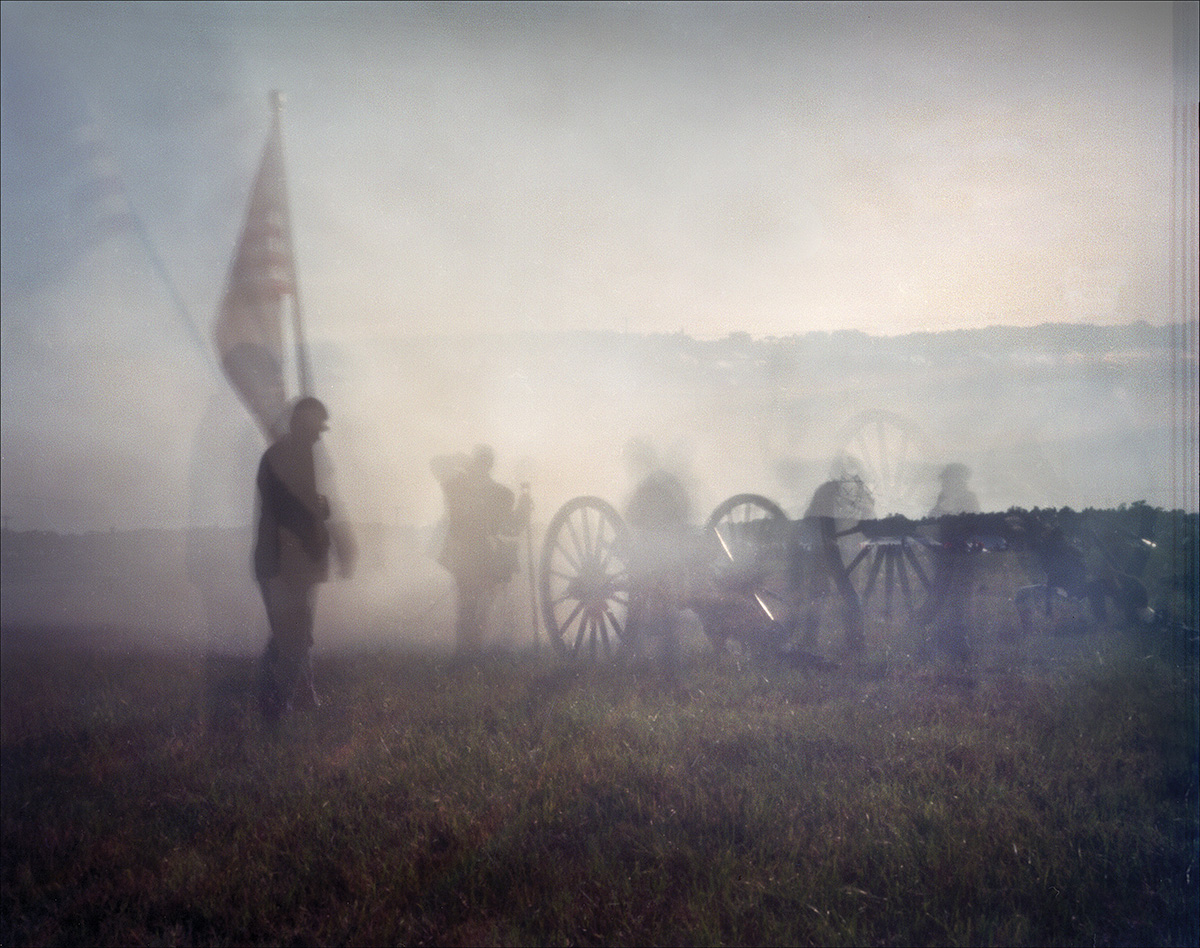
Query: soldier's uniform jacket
x,y
481,521
293,540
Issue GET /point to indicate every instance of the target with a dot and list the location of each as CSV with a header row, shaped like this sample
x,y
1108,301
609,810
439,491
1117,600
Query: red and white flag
x,y
249,327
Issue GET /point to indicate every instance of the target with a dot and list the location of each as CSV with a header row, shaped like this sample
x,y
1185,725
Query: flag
x,y
248,331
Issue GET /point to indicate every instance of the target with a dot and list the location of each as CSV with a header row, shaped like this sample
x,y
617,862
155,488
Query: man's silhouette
x,y
954,561
817,569
291,556
658,514
483,519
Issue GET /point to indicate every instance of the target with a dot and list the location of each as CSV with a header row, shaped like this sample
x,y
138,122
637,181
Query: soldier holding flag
x,y
296,530
291,555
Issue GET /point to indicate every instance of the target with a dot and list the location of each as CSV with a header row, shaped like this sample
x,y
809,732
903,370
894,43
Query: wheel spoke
x,y
876,562
579,605
580,634
889,582
862,553
590,539
915,562
559,574
604,634
604,555
905,589
570,531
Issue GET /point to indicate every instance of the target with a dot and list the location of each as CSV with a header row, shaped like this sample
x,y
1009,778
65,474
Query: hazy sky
x,y
711,168
707,167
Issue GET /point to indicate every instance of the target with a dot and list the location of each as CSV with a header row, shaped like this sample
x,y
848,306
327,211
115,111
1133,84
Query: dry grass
x,y
1045,795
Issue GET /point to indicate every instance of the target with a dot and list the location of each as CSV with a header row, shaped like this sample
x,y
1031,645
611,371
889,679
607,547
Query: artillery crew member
x,y
843,497
483,520
658,514
954,561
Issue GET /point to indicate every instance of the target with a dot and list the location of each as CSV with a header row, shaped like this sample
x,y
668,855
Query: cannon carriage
x,y
773,583
750,574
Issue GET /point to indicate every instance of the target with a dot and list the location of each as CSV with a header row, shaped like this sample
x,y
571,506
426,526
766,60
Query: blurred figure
x,y
956,496
816,558
659,499
291,556
658,514
483,521
1068,578
954,561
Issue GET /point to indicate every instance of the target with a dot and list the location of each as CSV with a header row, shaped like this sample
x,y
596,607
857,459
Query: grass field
x,y
1045,795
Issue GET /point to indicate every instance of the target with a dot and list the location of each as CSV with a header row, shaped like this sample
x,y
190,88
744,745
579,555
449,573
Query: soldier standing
x,y
483,521
291,556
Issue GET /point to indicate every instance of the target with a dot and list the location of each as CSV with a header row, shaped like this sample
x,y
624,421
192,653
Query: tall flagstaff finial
x,y
277,99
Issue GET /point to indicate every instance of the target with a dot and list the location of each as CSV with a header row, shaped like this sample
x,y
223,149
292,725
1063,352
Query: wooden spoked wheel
x,y
750,598
584,579
890,564
891,455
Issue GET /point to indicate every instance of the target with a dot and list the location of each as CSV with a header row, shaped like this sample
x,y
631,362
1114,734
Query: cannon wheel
x,y
748,549
882,569
890,565
891,451
584,579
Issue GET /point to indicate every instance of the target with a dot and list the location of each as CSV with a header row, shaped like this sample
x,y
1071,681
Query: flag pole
x,y
303,368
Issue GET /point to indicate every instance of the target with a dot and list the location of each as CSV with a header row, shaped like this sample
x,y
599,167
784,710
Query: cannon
x,y
750,573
